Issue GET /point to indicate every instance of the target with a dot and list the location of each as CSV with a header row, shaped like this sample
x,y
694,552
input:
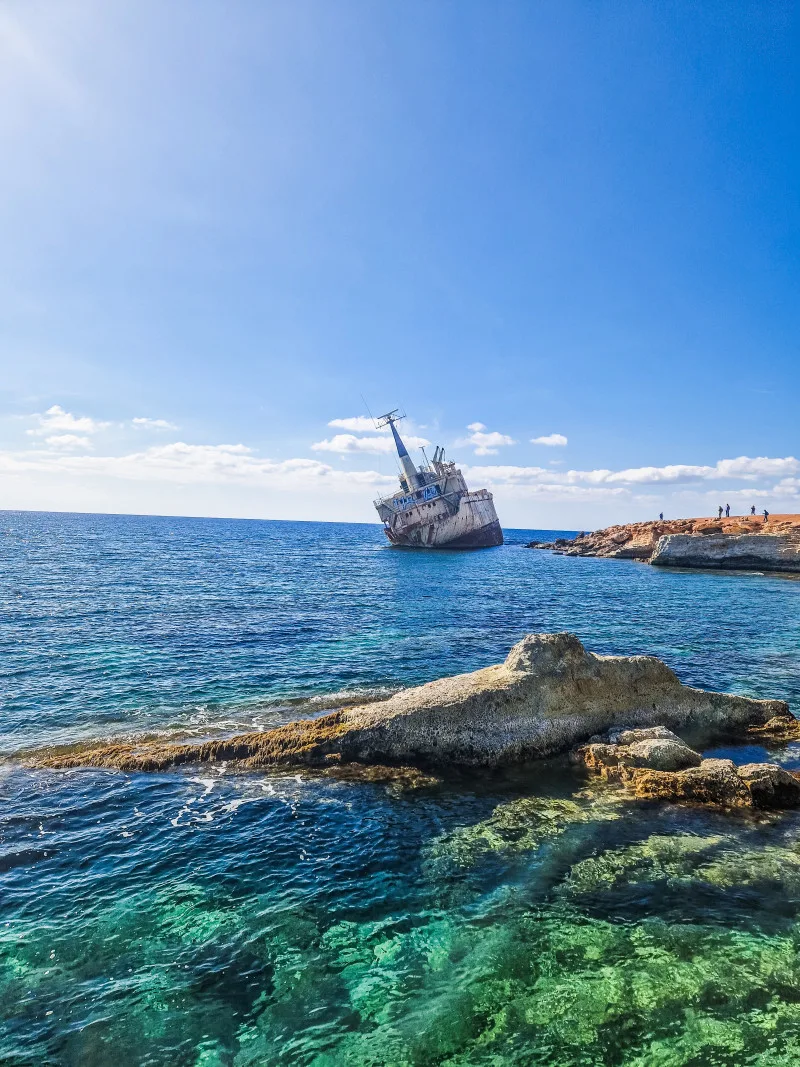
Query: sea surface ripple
x,y
210,917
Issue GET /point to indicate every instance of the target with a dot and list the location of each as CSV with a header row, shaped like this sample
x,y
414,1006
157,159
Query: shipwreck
x,y
433,507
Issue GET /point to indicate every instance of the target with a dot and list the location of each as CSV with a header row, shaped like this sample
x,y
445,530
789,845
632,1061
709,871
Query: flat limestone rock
x,y
549,695
628,736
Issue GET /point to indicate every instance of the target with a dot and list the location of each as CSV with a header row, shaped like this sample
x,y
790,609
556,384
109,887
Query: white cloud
x,y
359,423
346,442
184,463
511,475
552,440
744,468
153,424
485,444
527,481
65,470
539,482
55,418
762,466
68,440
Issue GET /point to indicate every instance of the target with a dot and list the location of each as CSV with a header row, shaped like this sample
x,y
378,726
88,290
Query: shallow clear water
x,y
208,917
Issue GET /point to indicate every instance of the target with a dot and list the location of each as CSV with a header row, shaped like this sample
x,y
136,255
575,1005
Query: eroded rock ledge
x,y
549,695
743,543
654,764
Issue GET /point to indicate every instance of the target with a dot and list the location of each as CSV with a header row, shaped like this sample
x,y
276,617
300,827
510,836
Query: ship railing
x,y
411,498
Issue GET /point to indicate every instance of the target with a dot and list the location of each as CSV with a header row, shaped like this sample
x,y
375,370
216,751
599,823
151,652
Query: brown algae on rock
x,y
654,764
517,826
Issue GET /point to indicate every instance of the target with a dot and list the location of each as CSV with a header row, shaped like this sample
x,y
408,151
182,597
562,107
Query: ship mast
x,y
409,469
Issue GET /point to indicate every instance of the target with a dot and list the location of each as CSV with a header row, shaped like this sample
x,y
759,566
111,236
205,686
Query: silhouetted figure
x,y
727,511
753,510
719,514
661,516
766,514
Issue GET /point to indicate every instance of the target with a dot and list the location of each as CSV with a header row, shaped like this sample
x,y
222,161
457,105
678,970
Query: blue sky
x,y
230,221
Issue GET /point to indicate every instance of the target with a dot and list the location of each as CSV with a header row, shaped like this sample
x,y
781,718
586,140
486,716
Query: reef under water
x,y
453,925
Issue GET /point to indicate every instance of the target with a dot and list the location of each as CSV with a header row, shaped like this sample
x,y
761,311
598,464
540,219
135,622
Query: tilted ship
x,y
434,508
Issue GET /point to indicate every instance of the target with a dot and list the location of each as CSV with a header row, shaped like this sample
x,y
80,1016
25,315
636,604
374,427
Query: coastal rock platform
x,y
549,695
742,543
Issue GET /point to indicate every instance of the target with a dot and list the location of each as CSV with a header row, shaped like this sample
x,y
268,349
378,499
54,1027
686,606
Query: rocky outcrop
x,y
780,730
715,781
548,695
655,764
743,543
770,786
655,748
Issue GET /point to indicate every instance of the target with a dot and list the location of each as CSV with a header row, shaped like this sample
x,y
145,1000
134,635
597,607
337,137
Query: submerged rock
x,y
548,695
517,826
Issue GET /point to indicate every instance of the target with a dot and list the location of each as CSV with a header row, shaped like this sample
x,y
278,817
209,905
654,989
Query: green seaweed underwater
x,y
574,929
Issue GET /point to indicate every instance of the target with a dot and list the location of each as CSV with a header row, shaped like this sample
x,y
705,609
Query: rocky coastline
x,y
741,543
548,696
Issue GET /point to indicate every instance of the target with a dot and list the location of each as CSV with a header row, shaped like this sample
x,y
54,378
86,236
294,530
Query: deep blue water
x,y
208,917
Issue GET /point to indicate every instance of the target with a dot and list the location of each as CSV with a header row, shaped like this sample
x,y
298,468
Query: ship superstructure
x,y
434,508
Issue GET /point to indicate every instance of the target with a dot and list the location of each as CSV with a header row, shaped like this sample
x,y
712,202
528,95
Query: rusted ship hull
x,y
474,525
486,537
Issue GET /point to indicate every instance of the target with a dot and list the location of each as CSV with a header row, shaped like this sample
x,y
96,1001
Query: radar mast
x,y
410,471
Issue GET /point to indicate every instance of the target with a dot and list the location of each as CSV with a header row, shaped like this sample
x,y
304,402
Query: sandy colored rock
x,y
781,730
662,755
748,551
628,736
655,764
548,695
653,747
771,786
715,782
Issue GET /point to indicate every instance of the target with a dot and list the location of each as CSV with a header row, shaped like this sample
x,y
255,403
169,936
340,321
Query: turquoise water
x,y
210,917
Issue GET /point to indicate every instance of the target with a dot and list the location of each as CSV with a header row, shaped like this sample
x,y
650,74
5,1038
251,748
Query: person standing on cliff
x,y
727,511
753,510
719,514
766,514
661,516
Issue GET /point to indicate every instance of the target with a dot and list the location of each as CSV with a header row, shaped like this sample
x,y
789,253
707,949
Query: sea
x,y
208,916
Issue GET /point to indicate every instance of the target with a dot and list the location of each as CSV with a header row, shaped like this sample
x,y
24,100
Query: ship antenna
x,y
410,471
366,405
